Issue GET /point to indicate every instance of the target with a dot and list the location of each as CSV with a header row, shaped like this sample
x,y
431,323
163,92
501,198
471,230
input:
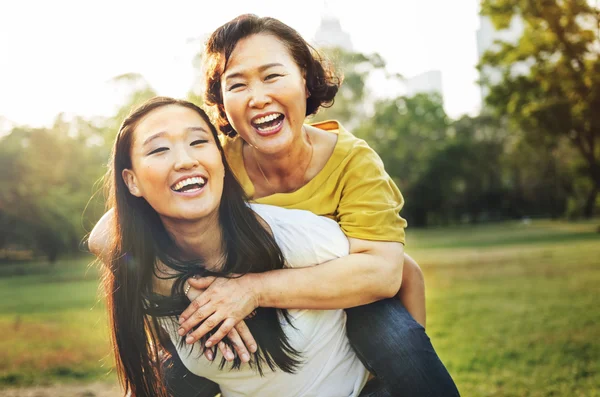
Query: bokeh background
x,y
486,114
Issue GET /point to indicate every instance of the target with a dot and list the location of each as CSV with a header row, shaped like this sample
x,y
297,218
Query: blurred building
x,y
330,32
5,126
427,82
487,35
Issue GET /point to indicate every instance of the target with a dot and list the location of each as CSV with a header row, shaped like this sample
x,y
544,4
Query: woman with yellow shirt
x,y
262,81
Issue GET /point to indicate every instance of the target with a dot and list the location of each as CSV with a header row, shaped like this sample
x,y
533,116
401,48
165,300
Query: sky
x,y
61,55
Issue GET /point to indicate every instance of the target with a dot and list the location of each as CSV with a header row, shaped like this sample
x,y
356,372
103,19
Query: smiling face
x,y
176,165
264,93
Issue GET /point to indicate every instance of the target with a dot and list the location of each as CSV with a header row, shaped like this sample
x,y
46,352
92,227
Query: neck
x,y
198,239
288,168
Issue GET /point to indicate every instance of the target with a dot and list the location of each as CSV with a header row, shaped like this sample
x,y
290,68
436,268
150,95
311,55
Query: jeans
x,y
385,337
397,351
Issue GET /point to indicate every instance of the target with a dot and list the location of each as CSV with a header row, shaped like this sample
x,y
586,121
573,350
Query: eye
x,y
235,86
158,150
273,76
198,142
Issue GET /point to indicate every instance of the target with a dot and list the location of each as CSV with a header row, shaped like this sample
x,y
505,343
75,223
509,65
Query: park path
x,y
68,390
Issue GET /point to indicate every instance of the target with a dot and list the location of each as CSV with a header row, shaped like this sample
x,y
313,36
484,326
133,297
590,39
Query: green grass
x,y
53,324
512,311
513,308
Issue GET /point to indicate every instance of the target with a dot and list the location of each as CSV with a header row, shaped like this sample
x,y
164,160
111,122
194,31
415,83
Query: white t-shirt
x,y
330,367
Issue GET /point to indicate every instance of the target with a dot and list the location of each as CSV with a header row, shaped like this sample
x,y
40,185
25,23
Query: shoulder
x,y
304,238
278,217
349,147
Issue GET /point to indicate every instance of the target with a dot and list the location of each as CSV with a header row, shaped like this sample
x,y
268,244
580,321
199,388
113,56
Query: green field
x,y
512,311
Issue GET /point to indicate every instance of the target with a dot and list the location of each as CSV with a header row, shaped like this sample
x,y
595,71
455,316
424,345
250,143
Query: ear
x,y
131,182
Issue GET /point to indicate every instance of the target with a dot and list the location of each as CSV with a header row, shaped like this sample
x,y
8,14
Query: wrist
x,y
257,288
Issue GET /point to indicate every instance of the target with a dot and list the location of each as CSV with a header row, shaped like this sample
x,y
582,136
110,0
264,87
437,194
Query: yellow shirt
x,y
353,188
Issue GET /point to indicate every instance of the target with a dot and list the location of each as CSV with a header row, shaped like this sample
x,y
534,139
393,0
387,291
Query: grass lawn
x,y
53,324
513,308
512,311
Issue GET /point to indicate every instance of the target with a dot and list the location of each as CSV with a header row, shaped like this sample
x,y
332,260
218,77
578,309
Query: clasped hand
x,y
225,301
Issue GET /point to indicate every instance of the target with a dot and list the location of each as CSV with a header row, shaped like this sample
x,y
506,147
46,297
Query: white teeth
x,y
268,129
267,118
189,181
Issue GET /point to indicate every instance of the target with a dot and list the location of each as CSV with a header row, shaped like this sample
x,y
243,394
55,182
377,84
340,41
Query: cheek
x,y
233,106
150,177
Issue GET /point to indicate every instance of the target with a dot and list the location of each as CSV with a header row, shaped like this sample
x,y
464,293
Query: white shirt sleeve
x,y
304,238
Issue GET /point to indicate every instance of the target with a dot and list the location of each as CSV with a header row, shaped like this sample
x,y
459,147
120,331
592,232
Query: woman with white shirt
x,y
179,212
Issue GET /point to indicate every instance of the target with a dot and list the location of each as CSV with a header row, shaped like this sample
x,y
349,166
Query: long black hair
x,y
138,239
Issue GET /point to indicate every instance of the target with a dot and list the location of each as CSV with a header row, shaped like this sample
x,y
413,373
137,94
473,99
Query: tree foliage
x,y
558,96
353,101
534,152
48,179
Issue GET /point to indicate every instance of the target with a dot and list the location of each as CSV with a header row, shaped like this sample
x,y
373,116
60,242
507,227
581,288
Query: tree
x,y
406,132
49,178
354,101
559,95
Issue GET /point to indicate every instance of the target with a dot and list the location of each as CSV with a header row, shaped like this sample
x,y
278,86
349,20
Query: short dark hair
x,y
322,81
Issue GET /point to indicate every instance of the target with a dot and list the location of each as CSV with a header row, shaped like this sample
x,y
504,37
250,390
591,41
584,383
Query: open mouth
x,y
268,123
192,184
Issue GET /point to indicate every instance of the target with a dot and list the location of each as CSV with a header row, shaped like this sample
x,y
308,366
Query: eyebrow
x,y
163,133
260,69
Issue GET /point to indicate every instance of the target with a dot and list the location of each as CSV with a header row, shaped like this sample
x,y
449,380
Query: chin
x,y
276,145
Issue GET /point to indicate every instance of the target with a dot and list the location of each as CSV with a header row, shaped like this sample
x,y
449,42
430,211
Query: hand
x,y
241,345
220,300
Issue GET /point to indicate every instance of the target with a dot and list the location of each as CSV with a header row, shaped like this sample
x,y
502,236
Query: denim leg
x,y
182,383
396,349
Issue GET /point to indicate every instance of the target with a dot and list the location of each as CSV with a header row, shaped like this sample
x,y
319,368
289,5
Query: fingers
x,y
194,311
206,326
223,330
246,336
202,282
238,345
208,354
226,351
200,316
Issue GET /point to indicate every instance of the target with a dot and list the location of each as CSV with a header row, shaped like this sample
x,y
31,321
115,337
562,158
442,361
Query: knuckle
x,y
210,323
198,315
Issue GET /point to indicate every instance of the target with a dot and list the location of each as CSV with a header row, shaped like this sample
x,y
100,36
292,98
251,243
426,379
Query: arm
x,y
354,280
98,242
371,272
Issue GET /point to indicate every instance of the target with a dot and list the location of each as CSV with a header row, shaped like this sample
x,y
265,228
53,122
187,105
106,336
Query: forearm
x,y
412,293
354,280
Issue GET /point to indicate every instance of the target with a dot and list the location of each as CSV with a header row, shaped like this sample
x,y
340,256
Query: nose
x,y
184,159
259,97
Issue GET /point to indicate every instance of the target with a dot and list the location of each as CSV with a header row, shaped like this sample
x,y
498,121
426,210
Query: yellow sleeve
x,y
370,201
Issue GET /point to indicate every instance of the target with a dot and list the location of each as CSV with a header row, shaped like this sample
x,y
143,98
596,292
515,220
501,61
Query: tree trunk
x,y
590,203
